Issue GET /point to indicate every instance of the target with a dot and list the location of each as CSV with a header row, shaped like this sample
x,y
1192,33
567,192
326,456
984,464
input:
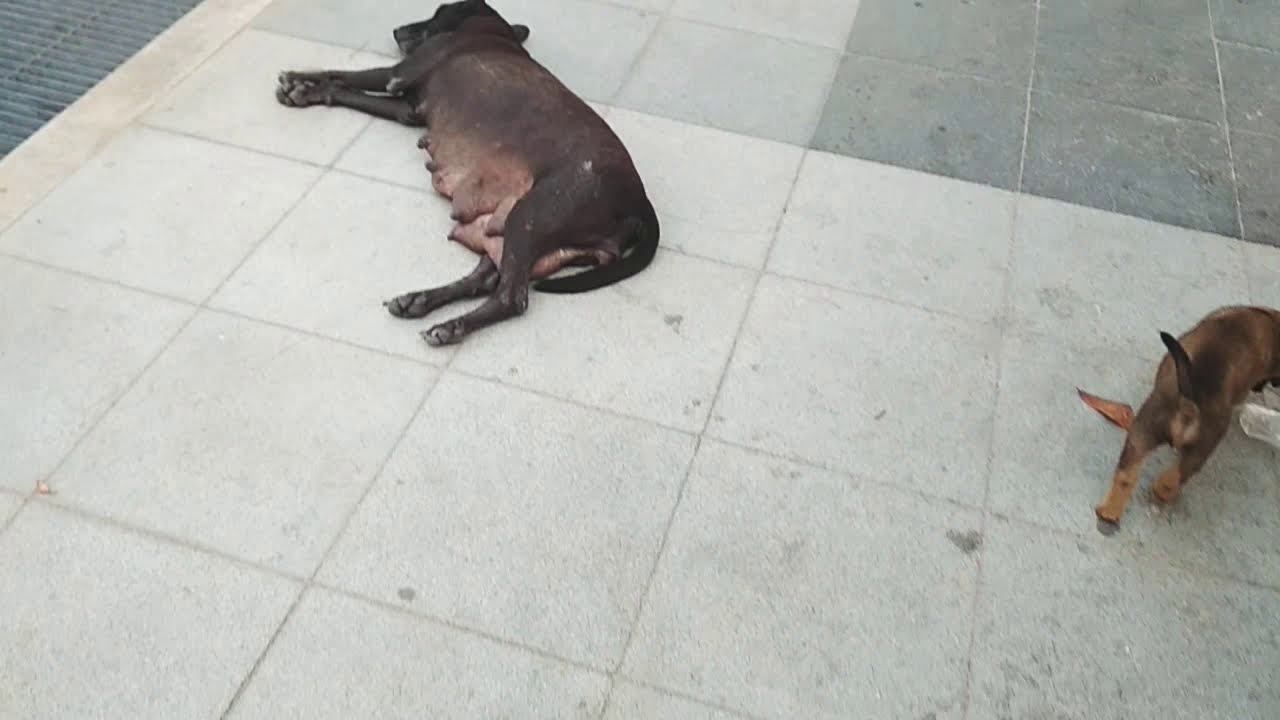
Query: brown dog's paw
x,y
1107,526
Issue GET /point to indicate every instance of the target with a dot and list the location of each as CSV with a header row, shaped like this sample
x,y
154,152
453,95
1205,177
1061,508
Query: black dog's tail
x,y
643,245
1183,367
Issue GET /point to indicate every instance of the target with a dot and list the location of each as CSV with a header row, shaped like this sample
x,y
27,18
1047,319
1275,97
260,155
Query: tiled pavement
x,y
822,459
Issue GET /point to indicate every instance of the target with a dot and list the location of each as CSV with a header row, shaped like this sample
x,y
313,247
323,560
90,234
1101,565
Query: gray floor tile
x,y
1226,520
329,266
339,658
1264,273
1254,22
847,382
340,22
589,45
751,605
162,212
731,80
676,320
268,438
1251,78
1154,69
633,702
924,119
717,194
525,517
1090,628
904,235
9,504
1185,16
1153,166
70,347
1258,176
816,22
992,39
388,151
1098,279
99,622
231,98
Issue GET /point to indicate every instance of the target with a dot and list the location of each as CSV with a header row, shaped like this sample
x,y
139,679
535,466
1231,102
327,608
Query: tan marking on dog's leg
x,y
1125,480
1169,485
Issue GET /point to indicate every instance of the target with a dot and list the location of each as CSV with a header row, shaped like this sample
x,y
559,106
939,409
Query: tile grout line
x,y
1226,121
701,435
310,581
1004,320
630,72
1026,115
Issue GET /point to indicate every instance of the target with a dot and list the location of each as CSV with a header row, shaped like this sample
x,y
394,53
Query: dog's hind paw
x,y
446,333
408,306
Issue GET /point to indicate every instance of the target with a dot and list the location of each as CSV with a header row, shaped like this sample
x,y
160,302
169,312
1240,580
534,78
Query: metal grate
x,y
54,51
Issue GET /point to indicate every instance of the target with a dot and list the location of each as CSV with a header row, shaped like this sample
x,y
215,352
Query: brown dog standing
x,y
1206,373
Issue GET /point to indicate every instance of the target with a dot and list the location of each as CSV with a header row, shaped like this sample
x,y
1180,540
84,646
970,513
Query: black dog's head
x,y
452,16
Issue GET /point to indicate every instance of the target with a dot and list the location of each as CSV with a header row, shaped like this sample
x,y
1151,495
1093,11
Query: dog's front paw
x,y
295,90
446,333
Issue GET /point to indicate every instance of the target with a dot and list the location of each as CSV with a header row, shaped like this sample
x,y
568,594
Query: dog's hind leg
x,y
1190,459
482,280
1137,445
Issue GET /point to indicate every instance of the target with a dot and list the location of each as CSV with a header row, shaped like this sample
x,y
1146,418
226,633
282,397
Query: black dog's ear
x,y
1182,364
521,32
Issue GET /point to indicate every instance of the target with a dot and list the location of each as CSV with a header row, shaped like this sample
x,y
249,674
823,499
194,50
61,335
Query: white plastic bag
x,y
1260,420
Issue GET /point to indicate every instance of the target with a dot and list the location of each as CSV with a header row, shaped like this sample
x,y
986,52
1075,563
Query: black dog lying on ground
x,y
537,179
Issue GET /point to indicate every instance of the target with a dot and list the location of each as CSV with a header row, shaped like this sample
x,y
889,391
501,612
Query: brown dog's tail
x,y
643,247
1116,413
1182,364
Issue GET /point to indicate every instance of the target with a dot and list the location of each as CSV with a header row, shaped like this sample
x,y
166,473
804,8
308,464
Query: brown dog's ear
x,y
521,32
1118,414
1182,364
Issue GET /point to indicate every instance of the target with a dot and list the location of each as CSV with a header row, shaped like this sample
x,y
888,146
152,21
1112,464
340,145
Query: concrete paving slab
x,y
907,236
338,658
101,622
162,212
783,592
1226,521
540,529
10,502
675,321
1098,279
339,22
1257,162
64,360
1251,23
846,382
384,151
924,119
717,77
718,194
823,23
1251,83
268,440
231,99
1168,169
1169,71
993,40
590,46
1264,273
1078,627
633,702
350,245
